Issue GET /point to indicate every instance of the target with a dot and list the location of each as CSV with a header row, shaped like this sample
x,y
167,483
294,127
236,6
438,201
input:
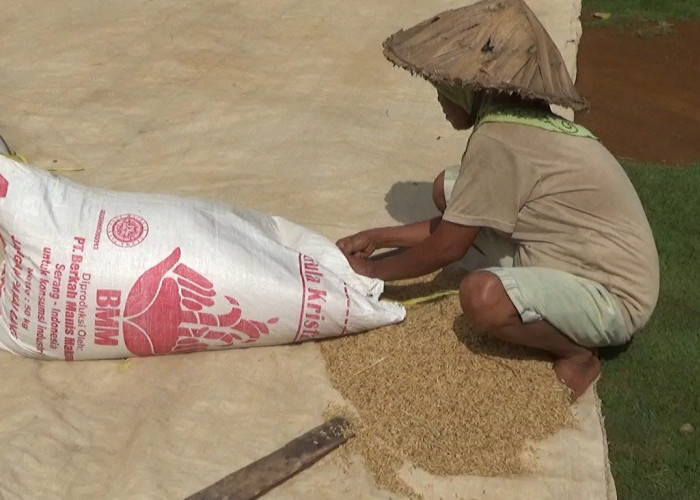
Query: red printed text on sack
x,y
314,299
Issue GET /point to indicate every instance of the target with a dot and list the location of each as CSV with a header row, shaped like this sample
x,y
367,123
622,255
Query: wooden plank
x,y
261,476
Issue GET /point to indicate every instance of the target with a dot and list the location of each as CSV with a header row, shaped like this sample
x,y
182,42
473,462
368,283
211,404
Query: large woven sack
x,y
91,273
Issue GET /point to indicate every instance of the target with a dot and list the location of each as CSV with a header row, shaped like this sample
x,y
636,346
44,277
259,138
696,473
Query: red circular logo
x,y
127,230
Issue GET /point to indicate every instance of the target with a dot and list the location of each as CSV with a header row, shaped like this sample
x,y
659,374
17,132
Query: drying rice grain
x,y
434,393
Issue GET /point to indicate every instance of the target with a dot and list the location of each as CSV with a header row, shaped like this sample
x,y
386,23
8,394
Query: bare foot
x,y
577,372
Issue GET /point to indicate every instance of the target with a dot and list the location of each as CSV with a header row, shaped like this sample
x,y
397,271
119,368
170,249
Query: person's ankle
x,y
577,372
582,355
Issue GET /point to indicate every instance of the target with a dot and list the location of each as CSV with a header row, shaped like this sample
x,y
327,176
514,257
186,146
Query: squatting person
x,y
565,258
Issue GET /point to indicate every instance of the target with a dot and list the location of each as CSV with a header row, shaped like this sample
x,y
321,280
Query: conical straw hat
x,y
492,44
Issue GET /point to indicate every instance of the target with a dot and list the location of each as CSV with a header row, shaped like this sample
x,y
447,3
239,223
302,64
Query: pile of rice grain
x,y
432,392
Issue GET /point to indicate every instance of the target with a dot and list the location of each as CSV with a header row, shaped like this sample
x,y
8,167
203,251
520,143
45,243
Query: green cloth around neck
x,y
484,107
535,118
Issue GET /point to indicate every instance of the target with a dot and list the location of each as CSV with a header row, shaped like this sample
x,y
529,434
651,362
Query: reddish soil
x,y
643,84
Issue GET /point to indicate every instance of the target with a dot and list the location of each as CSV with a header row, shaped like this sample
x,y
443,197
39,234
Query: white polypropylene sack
x,y
91,273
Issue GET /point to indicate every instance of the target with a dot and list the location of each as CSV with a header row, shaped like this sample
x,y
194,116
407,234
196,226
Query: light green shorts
x,y
581,309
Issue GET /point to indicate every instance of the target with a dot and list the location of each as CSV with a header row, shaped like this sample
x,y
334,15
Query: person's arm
x,y
364,243
445,245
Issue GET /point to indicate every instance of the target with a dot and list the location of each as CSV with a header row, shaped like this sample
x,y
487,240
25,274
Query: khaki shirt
x,y
567,204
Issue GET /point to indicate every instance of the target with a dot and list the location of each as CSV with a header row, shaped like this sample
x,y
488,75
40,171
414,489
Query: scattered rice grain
x,y
436,394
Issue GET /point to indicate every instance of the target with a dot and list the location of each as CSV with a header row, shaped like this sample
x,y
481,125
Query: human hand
x,y
360,245
360,265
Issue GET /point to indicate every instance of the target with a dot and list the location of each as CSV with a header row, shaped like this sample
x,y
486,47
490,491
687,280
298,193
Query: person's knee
x,y
439,192
484,301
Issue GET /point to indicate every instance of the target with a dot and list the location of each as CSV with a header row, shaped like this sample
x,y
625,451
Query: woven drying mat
x,y
433,393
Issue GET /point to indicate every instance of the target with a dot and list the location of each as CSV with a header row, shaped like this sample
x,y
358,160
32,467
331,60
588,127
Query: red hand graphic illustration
x,y
166,312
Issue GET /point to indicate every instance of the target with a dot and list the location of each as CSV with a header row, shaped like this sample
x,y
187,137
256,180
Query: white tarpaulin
x,y
284,107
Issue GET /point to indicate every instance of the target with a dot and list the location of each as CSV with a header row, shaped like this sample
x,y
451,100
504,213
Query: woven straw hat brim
x,y
495,45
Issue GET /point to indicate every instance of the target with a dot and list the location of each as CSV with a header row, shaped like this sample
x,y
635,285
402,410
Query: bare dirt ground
x,y
643,84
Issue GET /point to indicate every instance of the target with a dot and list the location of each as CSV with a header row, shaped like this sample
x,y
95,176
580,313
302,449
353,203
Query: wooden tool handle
x,y
261,476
